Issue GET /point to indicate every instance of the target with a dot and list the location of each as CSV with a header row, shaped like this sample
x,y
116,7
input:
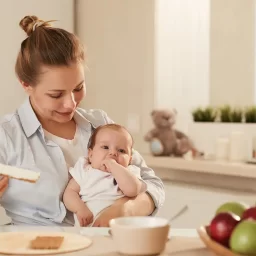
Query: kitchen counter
x,y
203,166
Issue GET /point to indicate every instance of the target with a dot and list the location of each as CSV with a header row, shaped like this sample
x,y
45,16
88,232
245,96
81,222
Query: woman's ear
x,y
26,87
23,84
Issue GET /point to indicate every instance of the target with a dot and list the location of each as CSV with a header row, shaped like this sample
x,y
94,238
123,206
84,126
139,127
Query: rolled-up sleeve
x,y
155,186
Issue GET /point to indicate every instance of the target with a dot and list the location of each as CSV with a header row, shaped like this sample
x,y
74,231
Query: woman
x,y
48,133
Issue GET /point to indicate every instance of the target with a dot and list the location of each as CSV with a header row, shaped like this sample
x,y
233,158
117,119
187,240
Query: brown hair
x,y
116,127
47,46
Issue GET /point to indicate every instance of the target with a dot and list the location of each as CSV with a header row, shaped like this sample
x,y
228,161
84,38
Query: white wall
x,y
11,12
232,49
182,56
119,36
145,54
204,54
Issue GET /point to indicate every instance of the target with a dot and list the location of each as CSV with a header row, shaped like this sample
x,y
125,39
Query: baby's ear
x,y
89,155
86,161
130,161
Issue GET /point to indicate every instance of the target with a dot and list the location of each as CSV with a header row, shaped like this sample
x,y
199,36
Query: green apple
x,y
243,238
234,207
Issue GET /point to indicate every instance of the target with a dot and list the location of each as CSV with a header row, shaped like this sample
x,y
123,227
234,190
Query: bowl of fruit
x,y
231,231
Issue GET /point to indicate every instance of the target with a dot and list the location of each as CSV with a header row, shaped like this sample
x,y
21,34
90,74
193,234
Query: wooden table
x,y
181,240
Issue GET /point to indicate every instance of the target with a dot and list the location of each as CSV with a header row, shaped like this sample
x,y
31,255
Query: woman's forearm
x,y
141,205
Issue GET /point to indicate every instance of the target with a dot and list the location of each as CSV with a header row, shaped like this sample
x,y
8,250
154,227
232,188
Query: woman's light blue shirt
x,y
23,144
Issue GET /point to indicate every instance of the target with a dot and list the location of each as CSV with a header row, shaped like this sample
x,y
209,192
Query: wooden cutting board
x,y
19,242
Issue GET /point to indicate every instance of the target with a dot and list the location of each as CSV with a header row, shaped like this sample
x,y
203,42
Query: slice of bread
x,y
18,173
47,242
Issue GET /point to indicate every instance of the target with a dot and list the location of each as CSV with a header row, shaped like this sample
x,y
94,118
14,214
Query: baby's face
x,y
115,144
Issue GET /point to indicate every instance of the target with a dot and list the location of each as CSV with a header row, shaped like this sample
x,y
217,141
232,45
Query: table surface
x,y
182,242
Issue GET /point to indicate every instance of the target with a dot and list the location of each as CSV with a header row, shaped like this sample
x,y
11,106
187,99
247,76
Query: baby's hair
x,y
45,46
116,127
92,139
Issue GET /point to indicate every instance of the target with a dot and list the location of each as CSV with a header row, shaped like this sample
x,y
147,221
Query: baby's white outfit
x,y
98,189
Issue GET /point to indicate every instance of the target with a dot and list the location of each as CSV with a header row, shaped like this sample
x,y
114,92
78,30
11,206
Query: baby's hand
x,y
108,164
84,216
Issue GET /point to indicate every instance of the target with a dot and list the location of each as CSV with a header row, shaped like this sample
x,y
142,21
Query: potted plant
x,y
250,114
211,123
225,114
207,114
236,115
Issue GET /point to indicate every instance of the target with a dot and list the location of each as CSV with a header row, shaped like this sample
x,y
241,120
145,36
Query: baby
x,y
105,176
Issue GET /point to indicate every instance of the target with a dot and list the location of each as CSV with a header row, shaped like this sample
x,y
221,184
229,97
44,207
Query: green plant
x,y
225,113
207,114
250,114
236,115
197,114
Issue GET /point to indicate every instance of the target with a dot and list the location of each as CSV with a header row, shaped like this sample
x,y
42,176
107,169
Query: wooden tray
x,y
18,243
213,246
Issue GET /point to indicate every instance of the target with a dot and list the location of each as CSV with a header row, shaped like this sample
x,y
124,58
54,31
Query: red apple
x,y
249,213
222,225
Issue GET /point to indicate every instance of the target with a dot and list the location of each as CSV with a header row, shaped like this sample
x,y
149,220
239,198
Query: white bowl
x,y
140,235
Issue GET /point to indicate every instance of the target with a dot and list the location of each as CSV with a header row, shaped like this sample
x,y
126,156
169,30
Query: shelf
x,y
202,166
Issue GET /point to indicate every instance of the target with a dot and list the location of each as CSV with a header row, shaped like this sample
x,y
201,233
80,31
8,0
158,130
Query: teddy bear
x,y
164,139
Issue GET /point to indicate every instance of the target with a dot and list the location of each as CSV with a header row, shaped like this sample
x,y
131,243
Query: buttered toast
x,y
18,173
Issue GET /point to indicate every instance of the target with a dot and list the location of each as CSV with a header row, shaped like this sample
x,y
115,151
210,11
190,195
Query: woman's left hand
x,y
141,205
114,211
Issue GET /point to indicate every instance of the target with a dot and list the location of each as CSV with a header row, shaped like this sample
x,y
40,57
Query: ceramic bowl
x,y
140,235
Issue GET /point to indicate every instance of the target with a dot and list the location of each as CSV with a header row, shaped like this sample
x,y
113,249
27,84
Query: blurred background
x,y
146,54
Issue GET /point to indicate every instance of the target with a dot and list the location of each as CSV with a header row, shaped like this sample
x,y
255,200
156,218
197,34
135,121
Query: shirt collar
x,y
31,124
82,121
28,118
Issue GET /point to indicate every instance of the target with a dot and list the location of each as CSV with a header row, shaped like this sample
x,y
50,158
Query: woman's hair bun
x,y
29,24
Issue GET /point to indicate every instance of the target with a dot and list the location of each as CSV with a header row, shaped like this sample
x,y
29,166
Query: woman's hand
x,y
142,205
3,185
118,209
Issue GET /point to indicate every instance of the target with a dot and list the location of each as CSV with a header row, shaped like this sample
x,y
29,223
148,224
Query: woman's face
x,y
58,93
